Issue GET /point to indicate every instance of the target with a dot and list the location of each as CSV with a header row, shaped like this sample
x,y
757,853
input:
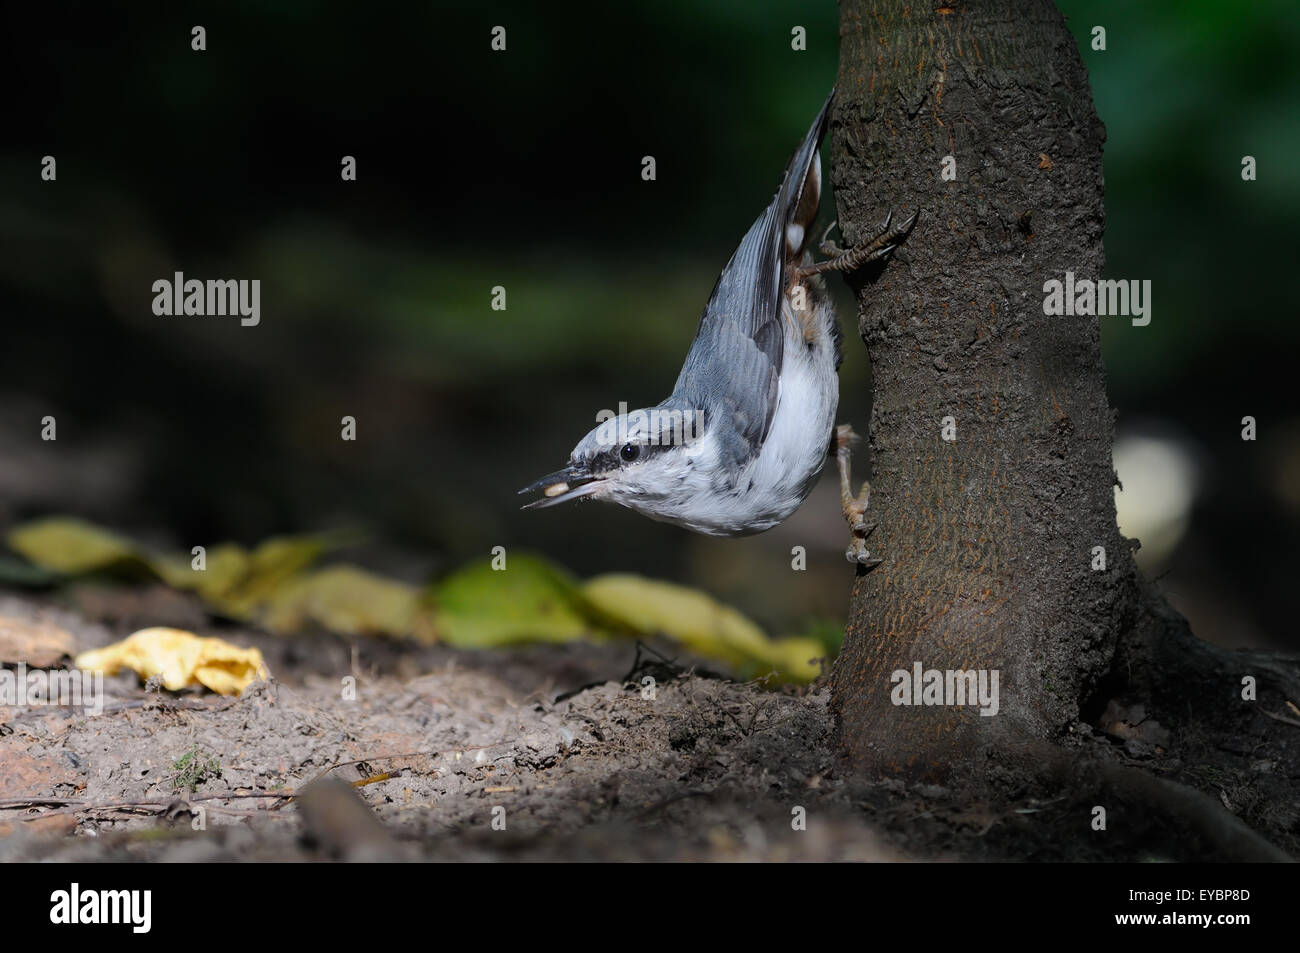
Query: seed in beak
x,y
555,489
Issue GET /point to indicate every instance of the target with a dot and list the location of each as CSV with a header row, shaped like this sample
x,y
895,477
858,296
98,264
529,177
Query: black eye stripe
x,y
639,452
613,457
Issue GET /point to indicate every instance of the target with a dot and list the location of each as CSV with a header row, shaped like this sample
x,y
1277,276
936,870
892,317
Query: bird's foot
x,y
882,242
854,512
855,507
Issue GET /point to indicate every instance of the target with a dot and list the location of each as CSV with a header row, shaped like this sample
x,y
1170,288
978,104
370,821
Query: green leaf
x,y
68,545
347,600
702,625
529,601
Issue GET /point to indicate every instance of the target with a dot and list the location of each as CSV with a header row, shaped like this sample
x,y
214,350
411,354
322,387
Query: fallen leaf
x,y
478,607
239,584
181,658
701,624
69,545
529,601
347,600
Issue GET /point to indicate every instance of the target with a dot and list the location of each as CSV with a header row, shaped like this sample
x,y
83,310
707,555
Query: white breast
x,y
775,482
780,478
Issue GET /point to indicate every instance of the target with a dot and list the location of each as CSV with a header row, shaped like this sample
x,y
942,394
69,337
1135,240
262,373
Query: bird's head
x,y
638,459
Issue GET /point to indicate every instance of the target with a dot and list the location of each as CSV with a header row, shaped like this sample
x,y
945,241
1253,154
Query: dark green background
x,y
523,170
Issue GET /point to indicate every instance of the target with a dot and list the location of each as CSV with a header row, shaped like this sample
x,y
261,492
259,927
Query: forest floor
x,y
543,753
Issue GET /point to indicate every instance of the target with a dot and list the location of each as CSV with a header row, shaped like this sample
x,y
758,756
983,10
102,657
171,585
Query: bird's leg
x,y
855,507
884,241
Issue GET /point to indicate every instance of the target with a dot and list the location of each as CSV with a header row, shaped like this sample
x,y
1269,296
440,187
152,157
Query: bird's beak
x,y
562,486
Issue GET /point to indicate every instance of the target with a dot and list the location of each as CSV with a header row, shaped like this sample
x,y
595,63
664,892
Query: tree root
x,y
1224,834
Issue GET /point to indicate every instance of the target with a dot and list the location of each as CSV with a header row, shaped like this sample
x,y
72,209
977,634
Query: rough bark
x,y
987,540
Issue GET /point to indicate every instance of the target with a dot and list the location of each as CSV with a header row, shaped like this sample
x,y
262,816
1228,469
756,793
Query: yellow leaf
x,y
181,659
701,624
795,657
266,570
225,566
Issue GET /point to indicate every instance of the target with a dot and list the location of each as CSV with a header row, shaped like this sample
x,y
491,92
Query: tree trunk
x,y
988,539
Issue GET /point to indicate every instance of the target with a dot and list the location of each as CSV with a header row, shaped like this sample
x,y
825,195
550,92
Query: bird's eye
x,y
629,452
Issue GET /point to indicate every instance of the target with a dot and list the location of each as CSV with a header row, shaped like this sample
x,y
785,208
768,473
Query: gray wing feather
x,y
735,362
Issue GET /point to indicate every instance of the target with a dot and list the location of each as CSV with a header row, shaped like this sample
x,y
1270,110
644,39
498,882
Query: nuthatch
x,y
739,444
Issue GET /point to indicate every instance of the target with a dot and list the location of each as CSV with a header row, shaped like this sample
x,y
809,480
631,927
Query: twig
x,y
1282,718
67,805
376,778
407,754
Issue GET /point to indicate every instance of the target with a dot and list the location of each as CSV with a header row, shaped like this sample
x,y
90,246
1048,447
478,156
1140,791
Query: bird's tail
x,y
801,190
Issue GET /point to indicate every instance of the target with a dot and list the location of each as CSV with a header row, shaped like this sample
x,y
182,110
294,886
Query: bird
x,y
740,442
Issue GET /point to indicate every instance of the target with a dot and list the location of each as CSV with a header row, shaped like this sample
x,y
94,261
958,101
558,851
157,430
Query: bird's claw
x,y
881,244
857,552
855,507
859,555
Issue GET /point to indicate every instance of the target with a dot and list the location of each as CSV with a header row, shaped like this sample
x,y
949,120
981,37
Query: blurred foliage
x,y
521,600
484,607
522,170
1186,91
703,626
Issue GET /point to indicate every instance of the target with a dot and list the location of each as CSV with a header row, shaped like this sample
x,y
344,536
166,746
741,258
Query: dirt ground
x,y
544,753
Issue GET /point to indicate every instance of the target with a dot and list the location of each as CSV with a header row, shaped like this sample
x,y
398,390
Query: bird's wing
x,y
735,362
